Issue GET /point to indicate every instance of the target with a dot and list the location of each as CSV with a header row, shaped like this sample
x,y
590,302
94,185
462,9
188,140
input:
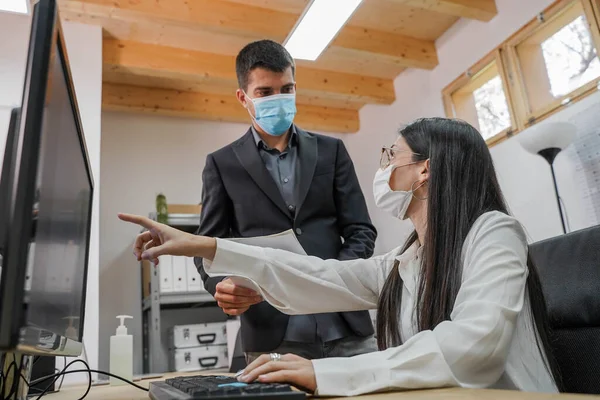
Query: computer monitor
x,y
44,273
6,176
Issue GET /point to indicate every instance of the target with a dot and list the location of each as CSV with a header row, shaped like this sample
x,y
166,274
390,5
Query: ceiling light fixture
x,y
318,25
15,6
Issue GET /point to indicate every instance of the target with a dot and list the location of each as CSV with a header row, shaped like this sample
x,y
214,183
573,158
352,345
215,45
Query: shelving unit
x,y
157,304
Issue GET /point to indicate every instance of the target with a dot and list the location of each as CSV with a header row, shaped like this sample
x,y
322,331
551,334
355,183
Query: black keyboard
x,y
220,387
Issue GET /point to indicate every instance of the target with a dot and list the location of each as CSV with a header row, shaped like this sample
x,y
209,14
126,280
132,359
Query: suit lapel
x,y
307,156
247,153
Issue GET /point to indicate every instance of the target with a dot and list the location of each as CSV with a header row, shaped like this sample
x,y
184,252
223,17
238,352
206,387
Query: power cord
x,y
101,373
4,378
55,377
16,379
63,377
64,372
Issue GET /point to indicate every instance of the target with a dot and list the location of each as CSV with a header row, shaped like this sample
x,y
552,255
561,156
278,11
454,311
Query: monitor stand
x,y
16,370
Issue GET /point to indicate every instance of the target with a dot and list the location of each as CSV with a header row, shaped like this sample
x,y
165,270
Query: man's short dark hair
x,y
265,54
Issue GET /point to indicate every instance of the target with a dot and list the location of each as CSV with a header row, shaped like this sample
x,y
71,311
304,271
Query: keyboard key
x,y
253,388
233,384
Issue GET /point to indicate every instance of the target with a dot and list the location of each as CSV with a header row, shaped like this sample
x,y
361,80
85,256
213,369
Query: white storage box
x,y
165,270
179,274
194,281
209,334
199,358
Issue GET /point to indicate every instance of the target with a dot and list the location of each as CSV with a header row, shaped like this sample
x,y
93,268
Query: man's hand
x,y
235,300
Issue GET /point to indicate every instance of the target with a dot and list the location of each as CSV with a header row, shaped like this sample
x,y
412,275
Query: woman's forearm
x,y
204,247
297,284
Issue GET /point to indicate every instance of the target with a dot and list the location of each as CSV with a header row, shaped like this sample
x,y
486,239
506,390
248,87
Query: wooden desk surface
x,y
107,392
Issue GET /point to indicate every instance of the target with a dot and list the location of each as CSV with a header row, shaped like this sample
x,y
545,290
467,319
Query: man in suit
x,y
279,177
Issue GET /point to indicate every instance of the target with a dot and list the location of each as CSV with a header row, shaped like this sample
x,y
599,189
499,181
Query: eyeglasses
x,y
389,153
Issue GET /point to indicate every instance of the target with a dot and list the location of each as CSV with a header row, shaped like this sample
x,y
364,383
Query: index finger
x,y
260,360
138,219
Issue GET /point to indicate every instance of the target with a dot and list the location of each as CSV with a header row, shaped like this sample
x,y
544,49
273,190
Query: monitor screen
x,y
58,249
44,281
6,177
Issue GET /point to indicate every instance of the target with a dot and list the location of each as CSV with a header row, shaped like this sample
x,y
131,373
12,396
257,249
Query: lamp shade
x,y
552,135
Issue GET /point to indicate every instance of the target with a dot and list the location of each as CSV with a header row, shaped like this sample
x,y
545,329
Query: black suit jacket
x,y
241,199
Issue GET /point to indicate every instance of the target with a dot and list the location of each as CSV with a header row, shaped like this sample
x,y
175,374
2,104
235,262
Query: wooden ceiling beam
x,y
404,51
219,70
249,21
289,6
482,10
217,108
130,78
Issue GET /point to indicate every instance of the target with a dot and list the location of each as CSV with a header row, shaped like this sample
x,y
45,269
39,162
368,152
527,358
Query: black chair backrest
x,y
569,268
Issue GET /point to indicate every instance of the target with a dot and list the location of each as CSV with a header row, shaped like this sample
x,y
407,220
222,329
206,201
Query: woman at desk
x,y
458,304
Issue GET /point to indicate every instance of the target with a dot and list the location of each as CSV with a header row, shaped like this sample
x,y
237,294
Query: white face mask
x,y
396,202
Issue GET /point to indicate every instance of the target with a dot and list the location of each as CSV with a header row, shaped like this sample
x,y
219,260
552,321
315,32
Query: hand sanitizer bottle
x,y
121,353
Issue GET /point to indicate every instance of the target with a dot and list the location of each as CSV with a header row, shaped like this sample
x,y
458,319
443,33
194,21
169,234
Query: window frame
x,y
526,116
471,75
596,9
515,89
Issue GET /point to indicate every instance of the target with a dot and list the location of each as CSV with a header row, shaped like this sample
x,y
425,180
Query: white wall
x,y
144,155
84,46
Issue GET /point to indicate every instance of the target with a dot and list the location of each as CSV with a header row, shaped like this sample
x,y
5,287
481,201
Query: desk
x,y
107,392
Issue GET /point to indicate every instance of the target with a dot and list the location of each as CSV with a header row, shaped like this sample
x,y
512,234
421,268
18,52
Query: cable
x,y
63,377
89,371
64,371
38,390
96,372
2,377
15,381
55,378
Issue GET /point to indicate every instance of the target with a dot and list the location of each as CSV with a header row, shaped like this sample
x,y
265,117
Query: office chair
x,y
569,267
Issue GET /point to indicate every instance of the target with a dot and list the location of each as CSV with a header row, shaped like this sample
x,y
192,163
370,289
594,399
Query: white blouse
x,y
488,342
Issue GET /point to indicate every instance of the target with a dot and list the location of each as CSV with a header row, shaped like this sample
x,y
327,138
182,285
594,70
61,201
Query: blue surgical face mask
x,y
275,113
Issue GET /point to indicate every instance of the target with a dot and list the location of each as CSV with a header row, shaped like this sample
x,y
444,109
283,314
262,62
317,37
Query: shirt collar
x,y
259,142
409,266
415,251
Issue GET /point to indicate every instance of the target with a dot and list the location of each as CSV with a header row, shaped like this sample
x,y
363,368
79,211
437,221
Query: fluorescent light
x,y
16,6
318,26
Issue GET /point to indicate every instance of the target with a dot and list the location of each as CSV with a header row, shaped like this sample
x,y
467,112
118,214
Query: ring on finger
x,y
275,357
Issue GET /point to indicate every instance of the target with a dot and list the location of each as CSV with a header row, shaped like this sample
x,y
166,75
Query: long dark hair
x,y
462,187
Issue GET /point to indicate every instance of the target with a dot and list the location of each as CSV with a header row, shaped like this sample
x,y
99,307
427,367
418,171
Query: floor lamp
x,y
548,140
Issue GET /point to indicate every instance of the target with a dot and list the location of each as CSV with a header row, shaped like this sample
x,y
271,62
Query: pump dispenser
x,y
121,353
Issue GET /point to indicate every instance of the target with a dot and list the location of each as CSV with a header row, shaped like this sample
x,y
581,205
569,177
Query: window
x,y
570,58
555,58
480,98
551,62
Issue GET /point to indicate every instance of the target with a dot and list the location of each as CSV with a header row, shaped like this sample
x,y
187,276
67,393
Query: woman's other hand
x,y
290,368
